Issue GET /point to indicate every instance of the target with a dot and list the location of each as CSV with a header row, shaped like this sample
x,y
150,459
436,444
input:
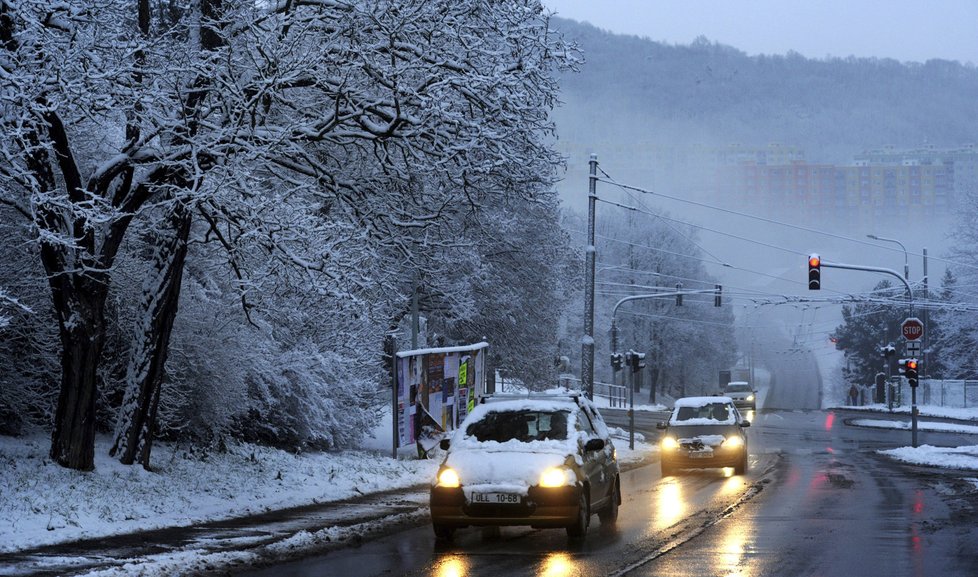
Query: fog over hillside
x,y
633,95
664,117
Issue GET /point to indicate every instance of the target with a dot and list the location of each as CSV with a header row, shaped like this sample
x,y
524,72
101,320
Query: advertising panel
x,y
434,391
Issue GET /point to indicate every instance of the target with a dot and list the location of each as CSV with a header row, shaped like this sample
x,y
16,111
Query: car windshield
x,y
738,388
711,411
523,425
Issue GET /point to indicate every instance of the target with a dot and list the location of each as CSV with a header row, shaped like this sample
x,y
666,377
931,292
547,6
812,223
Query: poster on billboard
x,y
434,390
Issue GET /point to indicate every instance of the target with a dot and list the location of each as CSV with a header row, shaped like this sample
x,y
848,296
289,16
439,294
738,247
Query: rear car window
x,y
524,426
711,411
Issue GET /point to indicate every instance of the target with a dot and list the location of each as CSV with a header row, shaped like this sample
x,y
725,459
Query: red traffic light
x,y
912,365
814,272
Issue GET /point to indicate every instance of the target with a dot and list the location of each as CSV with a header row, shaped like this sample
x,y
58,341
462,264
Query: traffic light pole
x,y
614,345
906,283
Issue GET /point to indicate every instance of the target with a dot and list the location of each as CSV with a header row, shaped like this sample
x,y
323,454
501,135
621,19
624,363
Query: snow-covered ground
x,y
42,503
964,457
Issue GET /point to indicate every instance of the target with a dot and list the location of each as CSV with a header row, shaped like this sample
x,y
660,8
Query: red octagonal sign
x,y
912,329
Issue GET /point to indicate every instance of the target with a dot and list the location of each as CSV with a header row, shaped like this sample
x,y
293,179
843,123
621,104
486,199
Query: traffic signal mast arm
x,y
891,272
614,312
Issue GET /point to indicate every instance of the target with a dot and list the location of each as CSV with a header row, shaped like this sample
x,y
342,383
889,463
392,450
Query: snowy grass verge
x,y
965,457
968,414
921,426
42,503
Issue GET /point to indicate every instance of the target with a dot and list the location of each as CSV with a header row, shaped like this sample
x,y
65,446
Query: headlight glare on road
x,y
553,477
448,478
669,443
733,441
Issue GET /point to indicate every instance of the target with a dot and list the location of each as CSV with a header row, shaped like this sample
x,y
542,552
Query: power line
x,y
610,180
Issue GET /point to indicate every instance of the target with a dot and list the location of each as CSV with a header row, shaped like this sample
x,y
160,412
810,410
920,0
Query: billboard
x,y
434,390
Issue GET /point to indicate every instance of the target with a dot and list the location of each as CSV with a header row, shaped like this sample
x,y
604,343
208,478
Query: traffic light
x,y
910,371
637,361
617,361
716,297
814,273
679,296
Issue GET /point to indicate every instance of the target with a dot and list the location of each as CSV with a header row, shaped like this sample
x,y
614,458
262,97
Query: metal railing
x,y
940,392
617,395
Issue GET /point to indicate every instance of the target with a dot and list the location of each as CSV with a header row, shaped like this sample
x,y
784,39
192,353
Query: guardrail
x,y
617,395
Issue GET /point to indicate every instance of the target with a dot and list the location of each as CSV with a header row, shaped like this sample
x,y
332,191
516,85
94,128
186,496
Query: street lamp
x,y
906,262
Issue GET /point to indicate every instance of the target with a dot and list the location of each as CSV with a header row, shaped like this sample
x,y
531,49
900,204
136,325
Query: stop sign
x,y
912,329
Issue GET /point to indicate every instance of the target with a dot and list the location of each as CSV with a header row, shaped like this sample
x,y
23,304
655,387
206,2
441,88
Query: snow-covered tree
x,y
866,328
207,114
684,345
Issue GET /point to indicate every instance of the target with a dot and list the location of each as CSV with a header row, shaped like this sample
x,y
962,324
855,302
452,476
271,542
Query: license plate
x,y
496,498
700,454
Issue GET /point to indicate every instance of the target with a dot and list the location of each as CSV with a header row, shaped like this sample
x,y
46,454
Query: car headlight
x,y
448,478
733,441
553,477
669,443
750,397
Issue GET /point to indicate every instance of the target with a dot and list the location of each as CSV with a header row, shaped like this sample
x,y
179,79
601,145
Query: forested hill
x,y
711,94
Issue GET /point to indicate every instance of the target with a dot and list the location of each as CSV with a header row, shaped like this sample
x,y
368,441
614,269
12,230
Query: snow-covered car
x,y
703,432
742,393
543,461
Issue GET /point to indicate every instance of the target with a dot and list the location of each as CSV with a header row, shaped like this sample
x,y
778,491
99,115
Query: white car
x,y
742,393
542,461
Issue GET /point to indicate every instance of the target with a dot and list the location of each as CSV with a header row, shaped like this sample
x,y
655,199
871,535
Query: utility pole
x,y
924,338
587,342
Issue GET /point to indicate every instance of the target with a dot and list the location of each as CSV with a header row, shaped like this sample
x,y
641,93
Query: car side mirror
x,y
444,444
594,445
662,426
745,423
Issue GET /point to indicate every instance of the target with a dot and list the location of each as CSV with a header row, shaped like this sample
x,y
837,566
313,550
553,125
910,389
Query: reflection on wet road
x,y
816,501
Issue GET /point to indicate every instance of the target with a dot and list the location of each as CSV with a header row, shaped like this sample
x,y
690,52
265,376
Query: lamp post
x,y
906,262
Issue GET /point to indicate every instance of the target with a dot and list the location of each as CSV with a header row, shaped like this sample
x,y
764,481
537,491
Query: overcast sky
x,y
906,30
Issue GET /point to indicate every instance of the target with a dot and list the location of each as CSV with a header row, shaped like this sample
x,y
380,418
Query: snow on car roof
x,y
522,404
701,401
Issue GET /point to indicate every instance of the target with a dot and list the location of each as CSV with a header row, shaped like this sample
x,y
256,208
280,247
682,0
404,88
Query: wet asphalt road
x,y
817,500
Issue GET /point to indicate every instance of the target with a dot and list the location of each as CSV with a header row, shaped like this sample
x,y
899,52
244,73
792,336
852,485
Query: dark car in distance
x,y
704,432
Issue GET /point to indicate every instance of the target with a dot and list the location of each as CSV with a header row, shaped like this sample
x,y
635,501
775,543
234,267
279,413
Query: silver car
x,y
742,393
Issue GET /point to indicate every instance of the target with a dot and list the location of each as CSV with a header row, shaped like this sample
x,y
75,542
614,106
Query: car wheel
x,y
443,532
609,514
667,468
741,467
579,528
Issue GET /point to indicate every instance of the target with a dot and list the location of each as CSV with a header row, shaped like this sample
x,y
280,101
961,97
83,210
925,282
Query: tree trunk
x,y
80,311
161,295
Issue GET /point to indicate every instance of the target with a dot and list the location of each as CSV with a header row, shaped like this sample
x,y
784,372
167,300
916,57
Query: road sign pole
x,y
913,416
631,410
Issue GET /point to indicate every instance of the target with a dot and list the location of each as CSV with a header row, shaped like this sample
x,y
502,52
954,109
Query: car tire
x,y
579,528
741,467
443,532
609,514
